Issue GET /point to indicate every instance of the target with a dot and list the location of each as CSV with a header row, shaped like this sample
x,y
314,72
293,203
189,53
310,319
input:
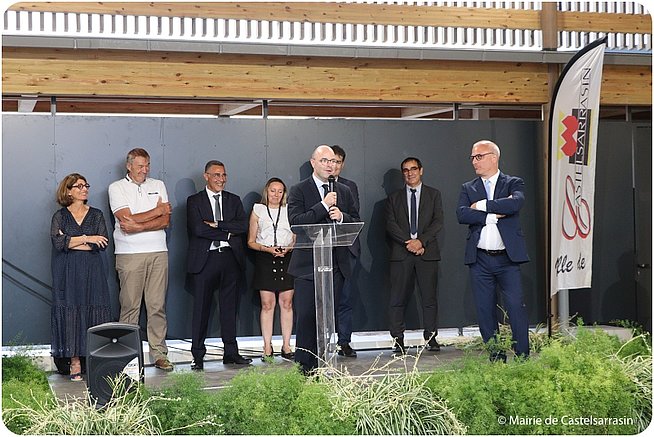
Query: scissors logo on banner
x,y
576,213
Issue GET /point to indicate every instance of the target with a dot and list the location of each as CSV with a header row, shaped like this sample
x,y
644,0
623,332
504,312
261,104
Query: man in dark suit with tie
x,y
311,202
344,310
216,222
414,217
490,205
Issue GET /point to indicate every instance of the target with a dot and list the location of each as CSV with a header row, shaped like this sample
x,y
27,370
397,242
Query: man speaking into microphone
x,y
316,200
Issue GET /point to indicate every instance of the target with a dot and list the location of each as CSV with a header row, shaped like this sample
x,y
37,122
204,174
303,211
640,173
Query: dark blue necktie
x,y
413,220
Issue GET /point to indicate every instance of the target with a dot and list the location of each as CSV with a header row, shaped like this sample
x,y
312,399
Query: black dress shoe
x,y
398,346
347,351
498,356
197,365
290,356
433,346
236,359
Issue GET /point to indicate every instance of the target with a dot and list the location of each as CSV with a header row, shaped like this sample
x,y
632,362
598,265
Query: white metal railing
x,y
615,41
329,34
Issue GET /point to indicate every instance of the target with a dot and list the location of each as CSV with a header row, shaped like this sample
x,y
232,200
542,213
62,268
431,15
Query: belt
x,y
221,249
493,252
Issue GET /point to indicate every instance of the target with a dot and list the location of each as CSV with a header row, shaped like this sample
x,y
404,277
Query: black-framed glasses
x,y
406,170
479,156
80,186
325,161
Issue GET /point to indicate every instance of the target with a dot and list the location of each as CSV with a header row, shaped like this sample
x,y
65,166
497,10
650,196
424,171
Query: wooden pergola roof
x,y
188,78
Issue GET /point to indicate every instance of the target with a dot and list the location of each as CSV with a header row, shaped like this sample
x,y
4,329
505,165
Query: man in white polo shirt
x,y
140,205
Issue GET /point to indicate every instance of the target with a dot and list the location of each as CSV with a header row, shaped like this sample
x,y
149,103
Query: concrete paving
x,y
373,348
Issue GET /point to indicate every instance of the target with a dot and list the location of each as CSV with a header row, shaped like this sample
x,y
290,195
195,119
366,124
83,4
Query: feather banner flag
x,y
573,124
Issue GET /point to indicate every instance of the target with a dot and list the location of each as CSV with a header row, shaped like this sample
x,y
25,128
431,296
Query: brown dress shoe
x,y
164,364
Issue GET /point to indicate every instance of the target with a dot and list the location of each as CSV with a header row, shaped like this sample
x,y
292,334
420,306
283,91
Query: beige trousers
x,y
145,276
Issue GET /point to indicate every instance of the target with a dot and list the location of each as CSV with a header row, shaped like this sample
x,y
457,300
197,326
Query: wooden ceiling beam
x,y
358,13
209,75
108,73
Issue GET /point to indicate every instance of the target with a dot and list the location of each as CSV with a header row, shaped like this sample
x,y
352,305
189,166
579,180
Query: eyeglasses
x,y
217,175
80,186
325,161
479,156
407,170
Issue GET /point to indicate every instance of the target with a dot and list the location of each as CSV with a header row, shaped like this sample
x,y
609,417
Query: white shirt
x,y
212,202
319,185
265,229
490,238
408,205
125,193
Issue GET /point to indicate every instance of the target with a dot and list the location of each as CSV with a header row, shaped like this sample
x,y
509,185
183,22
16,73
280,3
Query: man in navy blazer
x,y
490,206
309,204
216,222
414,217
345,310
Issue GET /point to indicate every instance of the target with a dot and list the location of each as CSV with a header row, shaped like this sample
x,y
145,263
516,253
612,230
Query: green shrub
x,y
186,402
16,395
312,413
569,382
260,400
22,368
23,383
638,368
123,414
384,402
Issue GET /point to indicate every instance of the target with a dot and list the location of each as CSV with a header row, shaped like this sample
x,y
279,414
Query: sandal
x,y
76,377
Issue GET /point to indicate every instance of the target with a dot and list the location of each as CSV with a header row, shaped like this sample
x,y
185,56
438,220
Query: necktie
x,y
217,213
413,220
325,188
487,184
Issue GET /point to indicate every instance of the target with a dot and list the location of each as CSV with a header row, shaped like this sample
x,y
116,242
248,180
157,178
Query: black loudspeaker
x,y
113,348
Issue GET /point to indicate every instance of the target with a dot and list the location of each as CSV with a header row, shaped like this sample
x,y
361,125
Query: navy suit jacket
x,y
430,222
356,246
305,208
509,226
200,235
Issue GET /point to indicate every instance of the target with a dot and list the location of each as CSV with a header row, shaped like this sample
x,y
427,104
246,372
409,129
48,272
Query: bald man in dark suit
x,y
490,205
310,202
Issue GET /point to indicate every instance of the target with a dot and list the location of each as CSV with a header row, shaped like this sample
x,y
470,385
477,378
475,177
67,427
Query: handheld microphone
x,y
330,180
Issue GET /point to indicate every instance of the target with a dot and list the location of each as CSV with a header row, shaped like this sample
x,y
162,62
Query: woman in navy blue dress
x,y
80,294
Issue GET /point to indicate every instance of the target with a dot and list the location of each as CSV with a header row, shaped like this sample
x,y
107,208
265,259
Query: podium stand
x,y
322,238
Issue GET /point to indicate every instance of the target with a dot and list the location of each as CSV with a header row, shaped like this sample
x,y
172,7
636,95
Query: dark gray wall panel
x,y
253,151
28,184
613,292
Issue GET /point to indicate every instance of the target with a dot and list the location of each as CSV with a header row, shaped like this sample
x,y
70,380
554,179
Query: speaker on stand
x,y
113,349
